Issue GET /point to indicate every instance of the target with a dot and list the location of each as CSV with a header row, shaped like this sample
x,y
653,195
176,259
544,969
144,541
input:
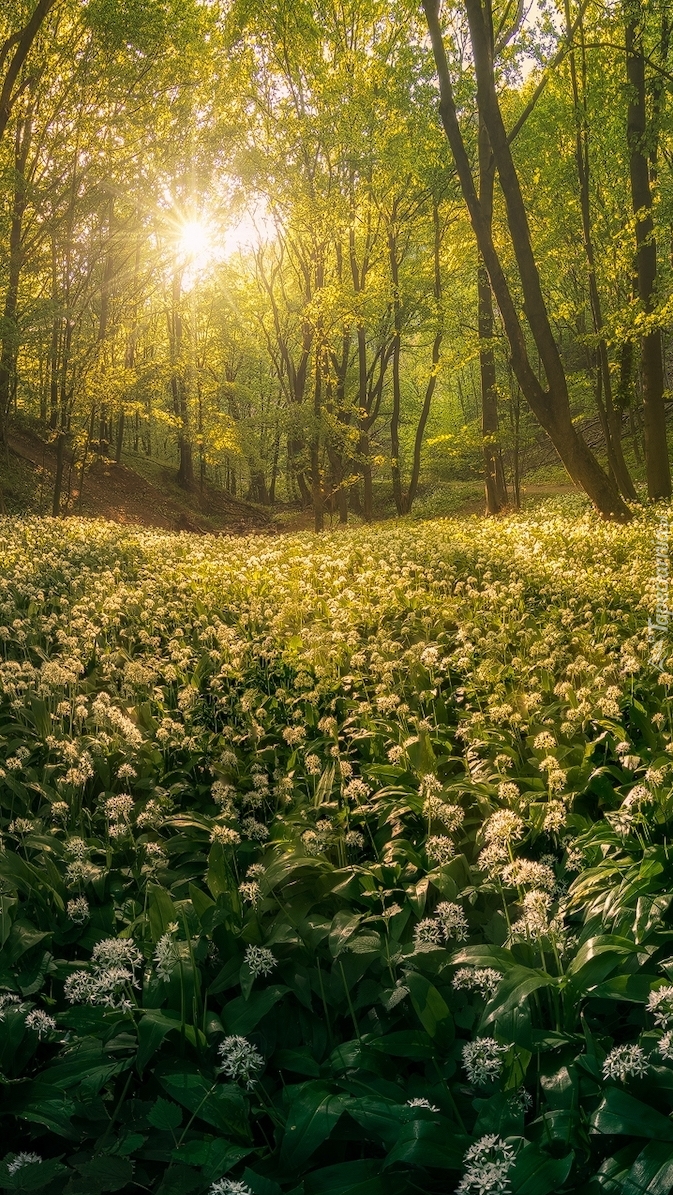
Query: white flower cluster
x,y
260,960
625,1062
240,1059
484,980
111,978
489,1162
483,1060
23,1159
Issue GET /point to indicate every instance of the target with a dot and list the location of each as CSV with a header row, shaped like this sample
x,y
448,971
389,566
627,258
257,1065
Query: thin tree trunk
x,y
432,380
10,330
395,465
610,416
494,477
316,483
652,366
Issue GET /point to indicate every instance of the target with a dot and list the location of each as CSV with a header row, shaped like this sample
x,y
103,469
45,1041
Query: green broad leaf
x,y
215,1157
259,1185
180,1180
343,927
7,905
165,1115
218,1104
621,1113
497,1114
313,1111
608,948
40,1103
33,1176
23,936
348,1178
484,956
106,1173
301,1062
152,1029
634,988
425,1143
535,1173
652,1171
514,989
219,876
380,1118
406,1043
202,903
430,1007
241,1015
162,911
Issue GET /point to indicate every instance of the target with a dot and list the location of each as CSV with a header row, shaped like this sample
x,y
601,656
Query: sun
x,y
195,243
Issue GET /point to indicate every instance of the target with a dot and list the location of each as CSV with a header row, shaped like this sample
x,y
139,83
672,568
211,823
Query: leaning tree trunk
x,y
652,365
552,406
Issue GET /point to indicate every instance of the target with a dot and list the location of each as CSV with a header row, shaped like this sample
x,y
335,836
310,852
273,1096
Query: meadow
x,y
335,865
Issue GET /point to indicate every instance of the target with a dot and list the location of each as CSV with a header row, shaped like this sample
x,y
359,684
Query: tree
x,y
550,406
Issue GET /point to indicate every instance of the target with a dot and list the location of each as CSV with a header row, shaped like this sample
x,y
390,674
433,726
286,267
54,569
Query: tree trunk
x,y
494,476
10,330
395,465
316,483
432,380
610,415
652,366
551,407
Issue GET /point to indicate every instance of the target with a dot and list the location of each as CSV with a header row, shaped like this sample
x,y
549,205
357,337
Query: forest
x,y
336,678
242,243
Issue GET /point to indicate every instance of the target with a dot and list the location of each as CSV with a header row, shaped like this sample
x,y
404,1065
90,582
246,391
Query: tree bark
x,y
494,475
611,415
551,407
395,465
10,329
432,380
652,365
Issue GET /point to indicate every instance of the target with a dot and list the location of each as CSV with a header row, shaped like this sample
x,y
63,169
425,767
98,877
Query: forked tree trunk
x,y
551,407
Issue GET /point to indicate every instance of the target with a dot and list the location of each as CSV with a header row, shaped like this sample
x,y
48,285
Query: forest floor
x,y
145,492
121,494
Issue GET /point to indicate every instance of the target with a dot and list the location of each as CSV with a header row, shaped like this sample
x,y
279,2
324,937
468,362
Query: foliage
x,y
336,865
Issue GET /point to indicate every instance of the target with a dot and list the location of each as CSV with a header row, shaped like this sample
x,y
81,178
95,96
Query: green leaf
x,y
179,1180
313,1111
300,1061
162,911
32,1176
652,1171
218,1104
108,1173
152,1029
514,988
621,1113
348,1178
241,1015
535,1173
425,1143
406,1043
344,926
430,1006
164,1115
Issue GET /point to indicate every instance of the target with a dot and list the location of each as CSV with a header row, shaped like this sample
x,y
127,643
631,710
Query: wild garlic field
x,y
337,865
